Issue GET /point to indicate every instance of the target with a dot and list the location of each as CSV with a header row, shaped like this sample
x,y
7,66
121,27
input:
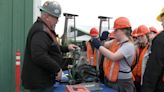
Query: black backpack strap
x,y
132,67
128,65
125,59
92,46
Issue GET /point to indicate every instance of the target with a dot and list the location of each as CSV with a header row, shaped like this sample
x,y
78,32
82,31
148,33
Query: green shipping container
x,y
16,18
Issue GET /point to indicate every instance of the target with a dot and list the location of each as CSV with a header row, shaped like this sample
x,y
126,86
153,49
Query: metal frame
x,y
67,17
103,19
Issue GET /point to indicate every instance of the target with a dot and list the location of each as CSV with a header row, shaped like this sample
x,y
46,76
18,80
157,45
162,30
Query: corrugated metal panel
x,y
5,45
16,19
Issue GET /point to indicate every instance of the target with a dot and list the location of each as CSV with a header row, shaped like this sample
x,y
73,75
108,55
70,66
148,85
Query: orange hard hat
x,y
134,32
94,32
142,30
122,22
111,35
153,29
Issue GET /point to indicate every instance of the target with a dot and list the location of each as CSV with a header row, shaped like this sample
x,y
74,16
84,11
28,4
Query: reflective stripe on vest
x,y
111,69
137,71
91,56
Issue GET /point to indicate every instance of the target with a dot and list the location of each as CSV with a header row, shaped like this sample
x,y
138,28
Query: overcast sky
x,y
138,11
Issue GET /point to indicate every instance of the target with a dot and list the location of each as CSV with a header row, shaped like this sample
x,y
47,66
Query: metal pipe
x,y
100,27
64,37
74,29
102,19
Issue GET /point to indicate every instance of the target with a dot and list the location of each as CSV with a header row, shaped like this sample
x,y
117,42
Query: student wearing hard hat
x,y
144,51
119,56
136,44
134,35
42,64
90,49
153,79
153,33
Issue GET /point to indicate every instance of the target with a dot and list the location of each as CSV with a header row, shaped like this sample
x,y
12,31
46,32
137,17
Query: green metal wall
x,y
15,20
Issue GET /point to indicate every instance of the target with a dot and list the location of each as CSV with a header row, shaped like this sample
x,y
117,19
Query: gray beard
x,y
141,45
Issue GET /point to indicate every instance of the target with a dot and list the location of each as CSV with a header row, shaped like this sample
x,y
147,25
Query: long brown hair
x,y
127,32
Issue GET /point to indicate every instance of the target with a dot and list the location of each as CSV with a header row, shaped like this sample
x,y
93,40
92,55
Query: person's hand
x,y
96,43
72,47
59,75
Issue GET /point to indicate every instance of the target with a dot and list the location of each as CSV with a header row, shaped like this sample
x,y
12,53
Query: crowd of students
x,y
125,54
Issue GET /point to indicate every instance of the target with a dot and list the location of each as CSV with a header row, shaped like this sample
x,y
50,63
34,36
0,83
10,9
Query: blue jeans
x,y
49,89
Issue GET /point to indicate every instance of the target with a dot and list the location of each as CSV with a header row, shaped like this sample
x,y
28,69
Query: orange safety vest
x,y
91,55
111,69
137,71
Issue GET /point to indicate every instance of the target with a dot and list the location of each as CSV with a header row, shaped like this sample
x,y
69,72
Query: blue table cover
x,y
60,87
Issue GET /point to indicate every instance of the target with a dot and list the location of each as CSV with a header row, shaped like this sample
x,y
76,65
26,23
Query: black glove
x,y
96,43
104,35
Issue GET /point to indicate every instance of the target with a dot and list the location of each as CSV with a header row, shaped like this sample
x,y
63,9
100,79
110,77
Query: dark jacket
x,y
152,81
42,58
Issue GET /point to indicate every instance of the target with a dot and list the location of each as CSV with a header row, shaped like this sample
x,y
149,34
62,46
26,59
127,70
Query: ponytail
x,y
127,32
